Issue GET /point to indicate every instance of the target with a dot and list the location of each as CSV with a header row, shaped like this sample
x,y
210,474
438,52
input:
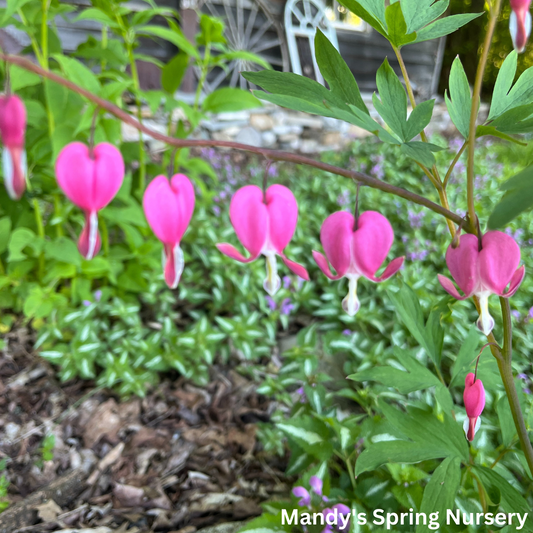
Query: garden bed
x,y
182,457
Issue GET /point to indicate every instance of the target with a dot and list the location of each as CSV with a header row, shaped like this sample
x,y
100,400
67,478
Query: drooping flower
x,y
484,272
90,178
13,129
474,400
356,251
303,494
265,224
520,23
168,207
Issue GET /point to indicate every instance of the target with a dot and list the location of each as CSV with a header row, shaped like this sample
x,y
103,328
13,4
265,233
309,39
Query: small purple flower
x,y
299,282
97,295
286,282
347,332
516,314
86,303
522,376
530,314
270,302
415,219
287,306
301,392
316,485
216,210
273,171
527,391
303,494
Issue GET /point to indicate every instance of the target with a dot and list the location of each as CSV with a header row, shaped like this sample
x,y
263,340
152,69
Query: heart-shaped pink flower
x,y
484,272
474,400
265,224
355,252
90,179
168,207
12,130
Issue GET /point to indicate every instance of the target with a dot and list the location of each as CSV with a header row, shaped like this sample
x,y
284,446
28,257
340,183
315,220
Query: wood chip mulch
x,y
180,459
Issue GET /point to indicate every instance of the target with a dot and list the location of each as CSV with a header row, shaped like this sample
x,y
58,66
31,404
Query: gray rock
x,y
250,136
269,138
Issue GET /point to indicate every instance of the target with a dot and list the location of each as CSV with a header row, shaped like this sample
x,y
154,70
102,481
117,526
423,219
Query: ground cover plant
x,y
421,365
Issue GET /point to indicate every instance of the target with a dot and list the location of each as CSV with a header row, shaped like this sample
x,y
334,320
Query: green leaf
x,y
5,233
395,451
490,130
21,78
506,421
504,97
419,118
511,501
229,99
423,437
515,120
504,82
249,57
310,434
172,73
12,7
444,26
517,199
337,73
171,35
459,103
397,28
439,494
77,72
211,30
421,152
266,523
419,13
64,250
415,377
20,239
466,356
393,104
93,13
303,94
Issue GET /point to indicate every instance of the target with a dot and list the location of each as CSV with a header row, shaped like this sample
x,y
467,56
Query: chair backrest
x,y
302,18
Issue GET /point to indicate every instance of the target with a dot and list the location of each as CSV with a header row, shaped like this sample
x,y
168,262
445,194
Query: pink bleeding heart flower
x,y
265,224
520,23
13,129
484,272
168,207
90,178
474,400
356,251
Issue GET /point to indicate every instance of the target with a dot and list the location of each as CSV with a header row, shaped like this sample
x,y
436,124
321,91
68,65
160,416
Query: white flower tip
x,y
272,285
466,428
350,303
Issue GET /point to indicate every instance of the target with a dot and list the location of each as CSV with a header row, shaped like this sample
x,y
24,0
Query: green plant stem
x,y
104,47
351,473
434,175
452,166
57,213
275,155
44,32
201,82
506,371
105,237
493,17
40,233
136,84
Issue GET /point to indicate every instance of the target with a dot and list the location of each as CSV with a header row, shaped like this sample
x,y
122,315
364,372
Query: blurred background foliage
x,y
466,43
